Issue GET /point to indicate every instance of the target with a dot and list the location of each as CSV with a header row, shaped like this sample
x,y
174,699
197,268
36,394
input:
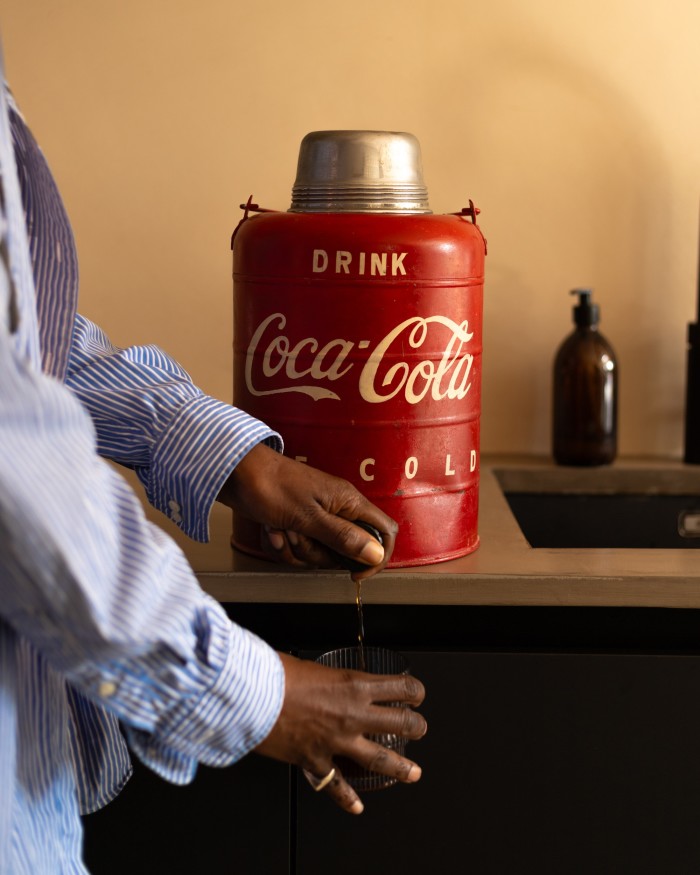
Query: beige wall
x,y
574,125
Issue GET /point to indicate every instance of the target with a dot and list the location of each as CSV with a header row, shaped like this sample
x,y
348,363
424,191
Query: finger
x,y
364,546
371,554
298,549
394,688
290,548
374,757
276,546
338,789
387,528
311,553
277,540
395,720
341,534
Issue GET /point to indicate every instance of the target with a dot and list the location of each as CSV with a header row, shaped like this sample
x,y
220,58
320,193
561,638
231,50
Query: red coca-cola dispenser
x,y
357,336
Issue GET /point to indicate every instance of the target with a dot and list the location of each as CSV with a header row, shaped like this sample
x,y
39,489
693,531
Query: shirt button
x,y
174,506
175,517
107,689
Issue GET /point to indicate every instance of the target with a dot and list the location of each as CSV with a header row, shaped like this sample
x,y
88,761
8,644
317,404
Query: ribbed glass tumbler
x,y
374,660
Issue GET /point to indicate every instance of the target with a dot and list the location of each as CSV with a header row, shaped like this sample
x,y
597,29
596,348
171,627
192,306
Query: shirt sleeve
x,y
149,416
109,599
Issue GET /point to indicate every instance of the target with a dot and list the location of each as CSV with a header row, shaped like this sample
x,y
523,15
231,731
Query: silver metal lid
x,y
359,172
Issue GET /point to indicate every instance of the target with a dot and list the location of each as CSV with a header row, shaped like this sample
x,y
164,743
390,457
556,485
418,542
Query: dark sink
x,y
605,507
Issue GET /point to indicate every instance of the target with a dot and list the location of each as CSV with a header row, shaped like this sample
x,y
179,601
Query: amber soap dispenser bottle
x,y
585,392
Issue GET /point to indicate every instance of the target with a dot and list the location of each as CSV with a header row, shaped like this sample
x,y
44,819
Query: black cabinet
x,y
560,741
232,821
533,763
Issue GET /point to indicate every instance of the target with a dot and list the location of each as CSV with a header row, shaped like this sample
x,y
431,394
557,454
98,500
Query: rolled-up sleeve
x,y
149,416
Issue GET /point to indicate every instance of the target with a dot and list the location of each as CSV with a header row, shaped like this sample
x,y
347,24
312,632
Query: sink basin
x,y
605,507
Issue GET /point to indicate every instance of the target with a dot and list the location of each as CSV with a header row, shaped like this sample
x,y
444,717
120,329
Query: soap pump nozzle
x,y
586,313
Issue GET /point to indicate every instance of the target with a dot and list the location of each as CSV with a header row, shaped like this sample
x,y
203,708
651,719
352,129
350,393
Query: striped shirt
x,y
102,622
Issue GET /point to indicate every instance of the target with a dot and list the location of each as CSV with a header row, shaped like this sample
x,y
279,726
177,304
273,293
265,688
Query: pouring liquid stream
x,y
357,566
360,624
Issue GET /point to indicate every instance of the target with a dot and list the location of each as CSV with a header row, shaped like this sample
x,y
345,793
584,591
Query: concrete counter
x,y
504,570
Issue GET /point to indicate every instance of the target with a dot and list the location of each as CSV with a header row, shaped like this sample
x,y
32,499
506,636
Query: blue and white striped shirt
x,y
101,618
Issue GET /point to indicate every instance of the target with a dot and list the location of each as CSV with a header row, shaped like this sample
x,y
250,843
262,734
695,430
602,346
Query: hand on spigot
x,y
307,515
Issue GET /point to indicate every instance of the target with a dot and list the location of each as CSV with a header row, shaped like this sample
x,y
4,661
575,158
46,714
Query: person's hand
x,y
306,514
327,712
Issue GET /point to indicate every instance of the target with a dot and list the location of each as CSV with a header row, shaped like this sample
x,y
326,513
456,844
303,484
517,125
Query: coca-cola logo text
x,y
444,377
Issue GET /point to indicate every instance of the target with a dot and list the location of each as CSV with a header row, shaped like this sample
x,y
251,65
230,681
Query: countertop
x,y
504,570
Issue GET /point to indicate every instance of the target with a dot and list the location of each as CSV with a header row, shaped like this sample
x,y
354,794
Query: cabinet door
x,y
233,820
583,764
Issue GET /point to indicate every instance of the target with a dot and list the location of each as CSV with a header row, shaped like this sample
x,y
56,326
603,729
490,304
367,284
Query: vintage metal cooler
x,y
358,336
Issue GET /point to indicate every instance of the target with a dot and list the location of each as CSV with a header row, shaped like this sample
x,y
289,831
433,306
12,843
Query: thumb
x,y
356,555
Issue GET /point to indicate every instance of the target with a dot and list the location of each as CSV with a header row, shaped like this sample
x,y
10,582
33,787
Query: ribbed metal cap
x,y
359,172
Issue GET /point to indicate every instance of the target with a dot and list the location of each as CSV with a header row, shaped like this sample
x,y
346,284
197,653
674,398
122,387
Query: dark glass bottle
x,y
585,392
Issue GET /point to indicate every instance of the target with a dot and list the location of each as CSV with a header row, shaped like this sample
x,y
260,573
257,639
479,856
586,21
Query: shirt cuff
x,y
195,456
223,724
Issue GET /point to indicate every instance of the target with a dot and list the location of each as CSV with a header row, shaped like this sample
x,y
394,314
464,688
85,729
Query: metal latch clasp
x,y
248,207
472,212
